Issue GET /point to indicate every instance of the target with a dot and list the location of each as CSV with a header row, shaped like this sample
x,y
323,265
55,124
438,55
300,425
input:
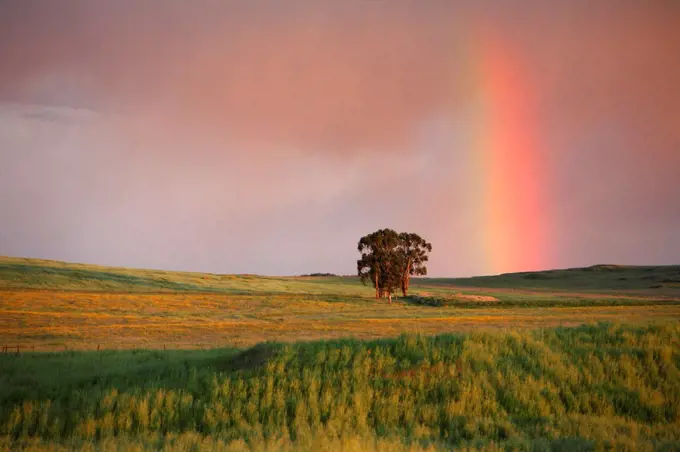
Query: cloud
x,y
222,135
90,186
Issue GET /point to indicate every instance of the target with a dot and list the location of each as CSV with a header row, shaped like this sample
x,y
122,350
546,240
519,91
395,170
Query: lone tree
x,y
413,249
389,259
380,263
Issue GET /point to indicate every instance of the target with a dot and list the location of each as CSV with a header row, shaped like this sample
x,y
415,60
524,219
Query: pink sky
x,y
267,137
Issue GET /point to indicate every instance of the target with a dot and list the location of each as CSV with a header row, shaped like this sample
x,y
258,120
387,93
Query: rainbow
x,y
511,196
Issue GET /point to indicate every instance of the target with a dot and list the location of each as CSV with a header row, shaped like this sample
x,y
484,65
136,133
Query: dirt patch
x,y
429,299
478,298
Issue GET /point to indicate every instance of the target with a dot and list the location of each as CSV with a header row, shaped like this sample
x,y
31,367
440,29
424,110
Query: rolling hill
x,y
24,273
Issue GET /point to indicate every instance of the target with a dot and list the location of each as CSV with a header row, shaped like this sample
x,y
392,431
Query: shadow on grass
x,y
57,376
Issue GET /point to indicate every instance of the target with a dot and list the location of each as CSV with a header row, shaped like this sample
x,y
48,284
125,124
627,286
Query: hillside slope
x,y
24,273
657,279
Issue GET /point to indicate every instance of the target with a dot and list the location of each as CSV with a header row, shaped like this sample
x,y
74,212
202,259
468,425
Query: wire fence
x,y
20,349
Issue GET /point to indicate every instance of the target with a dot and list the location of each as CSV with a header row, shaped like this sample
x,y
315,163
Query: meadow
x,y
54,306
584,388
120,359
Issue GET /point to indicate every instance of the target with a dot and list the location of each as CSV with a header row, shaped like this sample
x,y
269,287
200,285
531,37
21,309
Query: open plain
x,y
51,306
118,359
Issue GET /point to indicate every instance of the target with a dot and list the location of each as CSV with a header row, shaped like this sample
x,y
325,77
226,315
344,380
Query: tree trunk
x,y
405,278
377,289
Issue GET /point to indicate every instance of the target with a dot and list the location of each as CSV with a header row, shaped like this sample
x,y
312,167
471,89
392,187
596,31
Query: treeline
x,y
389,259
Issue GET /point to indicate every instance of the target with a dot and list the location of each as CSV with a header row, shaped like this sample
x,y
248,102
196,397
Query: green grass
x,y
535,301
315,363
21,273
600,386
38,274
621,278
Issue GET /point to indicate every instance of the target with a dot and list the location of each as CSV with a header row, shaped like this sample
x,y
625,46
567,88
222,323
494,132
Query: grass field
x,y
50,305
565,359
585,388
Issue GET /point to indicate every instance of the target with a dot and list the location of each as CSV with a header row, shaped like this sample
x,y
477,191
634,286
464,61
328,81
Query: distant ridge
x,y
595,277
31,273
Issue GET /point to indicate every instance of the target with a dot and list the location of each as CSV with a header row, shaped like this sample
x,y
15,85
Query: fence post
x,y
97,347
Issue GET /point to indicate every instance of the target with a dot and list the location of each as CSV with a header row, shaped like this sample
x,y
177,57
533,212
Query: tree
x,y
413,250
389,259
380,263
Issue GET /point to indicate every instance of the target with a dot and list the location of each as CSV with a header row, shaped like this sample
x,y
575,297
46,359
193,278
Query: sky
x,y
267,137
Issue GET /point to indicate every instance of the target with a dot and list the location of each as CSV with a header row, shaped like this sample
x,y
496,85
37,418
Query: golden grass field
x,y
81,320
46,305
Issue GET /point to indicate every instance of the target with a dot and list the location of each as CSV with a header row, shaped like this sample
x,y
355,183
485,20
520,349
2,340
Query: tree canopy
x,y
389,259
413,250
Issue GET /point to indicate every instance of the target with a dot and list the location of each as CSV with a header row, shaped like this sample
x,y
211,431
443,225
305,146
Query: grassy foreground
x,y
583,388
